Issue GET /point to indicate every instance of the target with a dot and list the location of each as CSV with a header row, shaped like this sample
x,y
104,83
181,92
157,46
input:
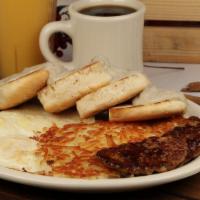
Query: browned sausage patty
x,y
155,154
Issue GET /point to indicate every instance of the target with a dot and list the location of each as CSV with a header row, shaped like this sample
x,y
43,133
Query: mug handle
x,y
45,35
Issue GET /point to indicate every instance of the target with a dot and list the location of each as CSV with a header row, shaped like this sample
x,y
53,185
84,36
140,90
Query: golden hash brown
x,y
70,150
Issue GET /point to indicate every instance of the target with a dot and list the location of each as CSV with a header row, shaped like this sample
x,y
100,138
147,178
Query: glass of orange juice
x,y
20,25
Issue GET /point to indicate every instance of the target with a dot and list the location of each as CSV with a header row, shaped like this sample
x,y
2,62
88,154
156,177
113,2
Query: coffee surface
x,y
107,10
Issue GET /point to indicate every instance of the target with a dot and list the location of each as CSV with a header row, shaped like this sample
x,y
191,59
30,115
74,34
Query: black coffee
x,y
107,10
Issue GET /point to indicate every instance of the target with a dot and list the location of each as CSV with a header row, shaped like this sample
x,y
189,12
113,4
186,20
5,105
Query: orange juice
x,y
20,25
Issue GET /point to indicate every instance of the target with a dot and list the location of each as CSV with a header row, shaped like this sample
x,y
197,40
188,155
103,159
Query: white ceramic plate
x,y
106,184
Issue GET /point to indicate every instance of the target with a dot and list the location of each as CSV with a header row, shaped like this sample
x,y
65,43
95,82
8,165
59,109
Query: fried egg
x,y
18,152
17,126
29,119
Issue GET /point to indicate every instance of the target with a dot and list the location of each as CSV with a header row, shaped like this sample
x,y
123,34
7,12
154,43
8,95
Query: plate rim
x,y
119,184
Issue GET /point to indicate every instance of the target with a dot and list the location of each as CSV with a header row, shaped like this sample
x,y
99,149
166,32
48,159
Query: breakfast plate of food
x,y
94,130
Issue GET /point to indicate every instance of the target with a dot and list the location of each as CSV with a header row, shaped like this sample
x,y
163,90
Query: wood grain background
x,y
166,43
176,10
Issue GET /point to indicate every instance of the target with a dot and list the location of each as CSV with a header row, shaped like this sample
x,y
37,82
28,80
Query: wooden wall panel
x,y
172,44
177,10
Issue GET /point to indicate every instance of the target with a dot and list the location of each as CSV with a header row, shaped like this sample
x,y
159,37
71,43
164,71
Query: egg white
x,y
29,119
18,152
17,126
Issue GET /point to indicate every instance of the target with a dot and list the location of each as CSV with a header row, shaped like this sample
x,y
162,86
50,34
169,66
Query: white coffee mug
x,y
119,39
